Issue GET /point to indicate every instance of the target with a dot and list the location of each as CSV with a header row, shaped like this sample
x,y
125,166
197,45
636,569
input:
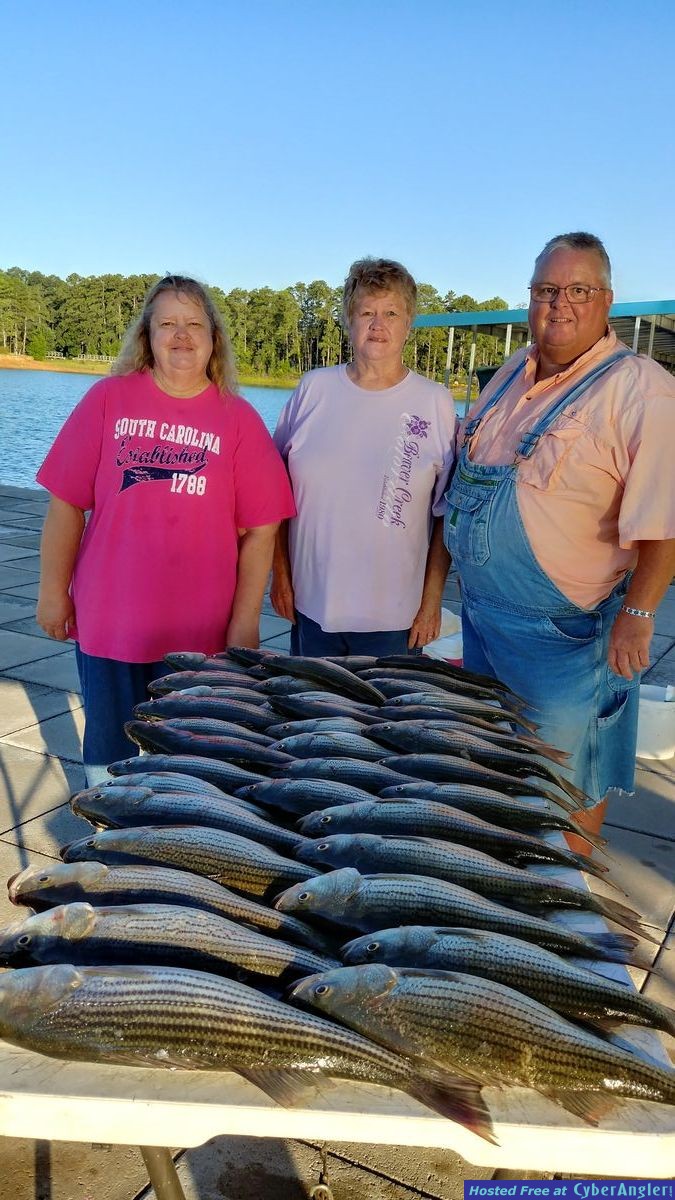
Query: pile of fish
x,y
345,867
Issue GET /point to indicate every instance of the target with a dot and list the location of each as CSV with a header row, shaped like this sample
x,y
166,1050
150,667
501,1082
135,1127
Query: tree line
x,y
274,333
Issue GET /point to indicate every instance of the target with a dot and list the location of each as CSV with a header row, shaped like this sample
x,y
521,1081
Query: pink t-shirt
x,y
600,480
367,469
168,482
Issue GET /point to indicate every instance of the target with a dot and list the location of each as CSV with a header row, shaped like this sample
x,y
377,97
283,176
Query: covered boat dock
x,y
648,327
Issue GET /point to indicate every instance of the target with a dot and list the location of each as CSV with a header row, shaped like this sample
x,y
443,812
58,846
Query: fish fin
x,y
598,842
622,915
544,750
584,862
590,1106
458,1099
288,1088
519,719
561,802
612,947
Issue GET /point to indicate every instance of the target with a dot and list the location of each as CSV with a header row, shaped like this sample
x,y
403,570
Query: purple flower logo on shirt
x,y
417,427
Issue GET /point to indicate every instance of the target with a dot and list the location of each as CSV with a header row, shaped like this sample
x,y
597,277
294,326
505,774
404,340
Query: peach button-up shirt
x,y
601,480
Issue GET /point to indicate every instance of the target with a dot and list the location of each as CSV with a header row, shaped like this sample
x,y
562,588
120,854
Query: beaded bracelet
x,y
637,612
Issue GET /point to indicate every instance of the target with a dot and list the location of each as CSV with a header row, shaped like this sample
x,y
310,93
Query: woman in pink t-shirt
x,y
185,491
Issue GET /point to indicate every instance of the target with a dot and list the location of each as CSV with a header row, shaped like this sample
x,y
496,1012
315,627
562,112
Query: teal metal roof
x,y
518,316
648,326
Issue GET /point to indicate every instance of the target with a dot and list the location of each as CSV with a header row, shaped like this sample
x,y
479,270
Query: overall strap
x,y
529,441
472,425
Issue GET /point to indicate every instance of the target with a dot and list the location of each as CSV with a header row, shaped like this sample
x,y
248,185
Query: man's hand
x,y
629,642
56,615
426,627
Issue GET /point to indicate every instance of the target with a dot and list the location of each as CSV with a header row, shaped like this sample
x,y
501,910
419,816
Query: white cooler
x,y
656,721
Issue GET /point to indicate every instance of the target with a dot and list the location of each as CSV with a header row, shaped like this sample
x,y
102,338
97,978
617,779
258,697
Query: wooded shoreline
x,y
23,362
276,335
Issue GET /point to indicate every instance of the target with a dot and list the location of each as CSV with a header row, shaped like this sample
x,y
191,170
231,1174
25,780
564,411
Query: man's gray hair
x,y
579,241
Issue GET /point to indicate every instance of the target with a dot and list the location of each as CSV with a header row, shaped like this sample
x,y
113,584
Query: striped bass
x,y
470,868
492,805
334,677
165,934
370,902
331,744
424,818
63,883
189,679
493,1033
175,735
130,807
226,776
370,777
173,1017
571,990
228,858
302,795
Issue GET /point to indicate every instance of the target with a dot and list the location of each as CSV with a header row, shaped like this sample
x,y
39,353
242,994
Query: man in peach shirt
x,y
561,519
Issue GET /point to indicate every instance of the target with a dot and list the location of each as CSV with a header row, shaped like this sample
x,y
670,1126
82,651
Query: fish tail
x,y
585,863
551,752
561,802
456,1098
582,798
595,839
622,915
612,947
519,719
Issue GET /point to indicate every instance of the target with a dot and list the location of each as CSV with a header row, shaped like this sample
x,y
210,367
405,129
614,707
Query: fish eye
x,y
24,940
372,947
325,820
303,896
321,990
43,878
323,846
90,843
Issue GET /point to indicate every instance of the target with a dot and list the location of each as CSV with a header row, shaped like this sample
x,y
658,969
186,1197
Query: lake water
x,y
34,405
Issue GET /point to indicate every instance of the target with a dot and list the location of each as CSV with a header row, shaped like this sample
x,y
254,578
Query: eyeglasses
x,y
576,293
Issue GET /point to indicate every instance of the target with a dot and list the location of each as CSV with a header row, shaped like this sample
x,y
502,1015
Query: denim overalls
x,y
519,627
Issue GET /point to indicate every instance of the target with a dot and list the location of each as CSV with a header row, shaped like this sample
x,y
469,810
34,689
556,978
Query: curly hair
x,y
136,351
378,275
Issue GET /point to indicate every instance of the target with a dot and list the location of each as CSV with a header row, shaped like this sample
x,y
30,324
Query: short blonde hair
x,y
378,275
136,351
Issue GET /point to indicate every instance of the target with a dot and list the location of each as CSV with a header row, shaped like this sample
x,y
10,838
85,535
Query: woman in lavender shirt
x,y
368,446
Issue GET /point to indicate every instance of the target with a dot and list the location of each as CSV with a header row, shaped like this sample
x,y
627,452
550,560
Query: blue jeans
x,y
110,690
311,641
559,664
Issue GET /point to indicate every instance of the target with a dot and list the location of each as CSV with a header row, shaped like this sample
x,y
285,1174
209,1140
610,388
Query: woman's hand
x,y
281,589
59,545
282,595
244,632
427,624
426,627
56,615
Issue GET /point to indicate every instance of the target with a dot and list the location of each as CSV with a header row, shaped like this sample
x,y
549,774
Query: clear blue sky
x,y
268,142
